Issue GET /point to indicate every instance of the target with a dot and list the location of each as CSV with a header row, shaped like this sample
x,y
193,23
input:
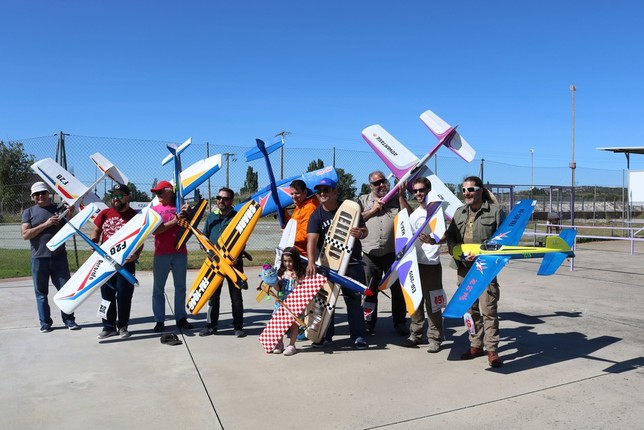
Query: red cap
x,y
162,185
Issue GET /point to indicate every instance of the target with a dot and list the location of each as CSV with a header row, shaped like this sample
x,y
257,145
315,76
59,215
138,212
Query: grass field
x,y
16,263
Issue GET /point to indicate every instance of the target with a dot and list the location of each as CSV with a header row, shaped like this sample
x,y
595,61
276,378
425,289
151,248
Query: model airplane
x,y
220,256
406,166
106,260
277,195
491,256
405,267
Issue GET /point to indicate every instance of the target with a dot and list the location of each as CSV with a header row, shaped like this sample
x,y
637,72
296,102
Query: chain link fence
x,y
603,197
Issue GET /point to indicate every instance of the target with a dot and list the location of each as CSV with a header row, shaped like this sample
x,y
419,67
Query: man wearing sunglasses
x,y
379,251
39,224
216,223
118,291
167,258
318,226
476,222
431,276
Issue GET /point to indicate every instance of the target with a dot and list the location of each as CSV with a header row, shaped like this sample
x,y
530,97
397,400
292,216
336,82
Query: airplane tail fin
x,y
442,130
179,150
564,243
108,168
194,217
256,153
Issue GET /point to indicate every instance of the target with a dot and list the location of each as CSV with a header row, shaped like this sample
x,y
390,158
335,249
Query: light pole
x,y
531,171
573,166
282,134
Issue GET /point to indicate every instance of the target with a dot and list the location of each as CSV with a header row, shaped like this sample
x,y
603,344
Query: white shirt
x,y
427,253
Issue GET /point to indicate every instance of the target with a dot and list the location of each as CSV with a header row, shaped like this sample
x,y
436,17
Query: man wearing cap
x,y
39,224
379,251
319,224
166,258
117,291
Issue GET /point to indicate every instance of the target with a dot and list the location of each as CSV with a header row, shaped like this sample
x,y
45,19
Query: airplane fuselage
x,y
469,252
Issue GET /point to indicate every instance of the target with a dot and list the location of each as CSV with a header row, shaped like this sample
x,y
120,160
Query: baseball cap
x,y
38,187
326,182
162,185
121,188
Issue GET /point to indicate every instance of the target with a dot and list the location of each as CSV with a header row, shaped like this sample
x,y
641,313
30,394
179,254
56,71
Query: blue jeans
x,y
118,291
178,263
42,269
353,302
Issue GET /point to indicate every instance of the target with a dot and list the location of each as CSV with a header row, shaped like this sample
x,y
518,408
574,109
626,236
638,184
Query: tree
x,y
315,165
15,172
251,183
346,187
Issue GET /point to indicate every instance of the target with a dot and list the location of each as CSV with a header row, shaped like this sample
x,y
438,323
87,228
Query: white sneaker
x,y
279,348
290,350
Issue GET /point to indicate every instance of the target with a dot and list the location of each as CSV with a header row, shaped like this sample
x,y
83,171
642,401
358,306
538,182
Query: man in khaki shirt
x,y
379,251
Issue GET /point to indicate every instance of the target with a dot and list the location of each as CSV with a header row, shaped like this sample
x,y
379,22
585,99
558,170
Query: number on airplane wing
x,y
118,248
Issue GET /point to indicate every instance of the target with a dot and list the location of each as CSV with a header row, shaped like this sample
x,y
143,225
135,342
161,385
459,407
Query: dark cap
x,y
121,189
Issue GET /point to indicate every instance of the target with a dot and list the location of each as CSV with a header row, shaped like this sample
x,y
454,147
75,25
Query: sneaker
x,y
107,333
183,323
290,350
46,329
494,360
159,327
433,347
208,330
123,332
279,348
361,343
73,326
410,343
401,329
240,333
472,353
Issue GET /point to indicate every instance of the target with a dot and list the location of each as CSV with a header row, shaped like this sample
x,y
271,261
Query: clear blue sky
x,y
227,72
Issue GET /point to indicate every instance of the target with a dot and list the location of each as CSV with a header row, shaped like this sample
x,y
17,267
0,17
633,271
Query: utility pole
x,y
228,155
573,166
282,134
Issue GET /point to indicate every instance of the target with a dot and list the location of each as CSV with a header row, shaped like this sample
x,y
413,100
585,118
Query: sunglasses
x,y
160,192
226,199
325,190
117,196
471,189
419,190
40,193
379,182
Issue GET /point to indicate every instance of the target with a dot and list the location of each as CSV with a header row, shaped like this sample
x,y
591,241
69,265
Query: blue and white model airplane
x,y
491,256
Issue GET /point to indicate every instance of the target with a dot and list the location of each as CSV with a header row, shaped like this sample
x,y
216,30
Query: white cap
x,y
38,187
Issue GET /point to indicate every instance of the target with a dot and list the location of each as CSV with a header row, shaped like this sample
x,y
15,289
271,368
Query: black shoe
x,y
159,327
208,331
410,343
183,323
240,333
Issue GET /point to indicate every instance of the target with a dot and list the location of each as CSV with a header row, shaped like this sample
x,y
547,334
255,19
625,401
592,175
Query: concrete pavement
x,y
572,345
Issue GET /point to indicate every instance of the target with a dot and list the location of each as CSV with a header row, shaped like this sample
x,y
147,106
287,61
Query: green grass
x,y
16,263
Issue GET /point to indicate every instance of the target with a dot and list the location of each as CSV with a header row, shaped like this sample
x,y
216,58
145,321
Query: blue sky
x,y
228,72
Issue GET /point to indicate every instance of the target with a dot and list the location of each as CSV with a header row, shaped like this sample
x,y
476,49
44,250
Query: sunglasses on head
x,y
379,182
40,193
419,190
471,189
323,189
226,199
117,196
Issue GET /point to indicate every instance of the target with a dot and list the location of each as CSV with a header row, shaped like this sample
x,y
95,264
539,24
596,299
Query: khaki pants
x,y
431,279
485,315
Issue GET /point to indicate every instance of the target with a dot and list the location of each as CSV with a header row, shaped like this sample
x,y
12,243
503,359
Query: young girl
x,y
291,272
